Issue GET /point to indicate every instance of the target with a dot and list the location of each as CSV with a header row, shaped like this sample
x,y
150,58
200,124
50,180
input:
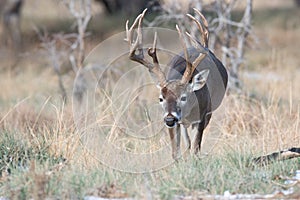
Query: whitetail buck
x,y
194,86
10,11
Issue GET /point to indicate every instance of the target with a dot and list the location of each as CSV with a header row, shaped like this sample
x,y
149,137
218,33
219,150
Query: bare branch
x,y
82,15
55,55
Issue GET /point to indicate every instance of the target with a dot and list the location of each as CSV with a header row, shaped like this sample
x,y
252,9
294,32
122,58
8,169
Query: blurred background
x,y
49,31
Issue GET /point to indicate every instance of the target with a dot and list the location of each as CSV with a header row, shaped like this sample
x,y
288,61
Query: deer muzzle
x,y
171,120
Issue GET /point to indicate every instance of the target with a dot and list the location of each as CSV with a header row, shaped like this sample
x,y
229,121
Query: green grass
x,y
215,175
16,153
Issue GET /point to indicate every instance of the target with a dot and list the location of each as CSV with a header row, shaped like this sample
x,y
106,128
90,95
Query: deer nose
x,y
170,121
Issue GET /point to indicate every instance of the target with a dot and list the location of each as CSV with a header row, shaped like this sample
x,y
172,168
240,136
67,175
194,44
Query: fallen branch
x,y
293,152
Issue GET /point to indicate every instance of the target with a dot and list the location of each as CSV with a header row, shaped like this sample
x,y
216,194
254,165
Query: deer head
x,y
176,97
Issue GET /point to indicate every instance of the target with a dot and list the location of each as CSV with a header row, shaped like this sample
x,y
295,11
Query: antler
x,y
136,49
203,28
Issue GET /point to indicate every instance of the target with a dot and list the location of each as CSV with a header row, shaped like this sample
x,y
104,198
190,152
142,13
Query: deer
x,y
193,87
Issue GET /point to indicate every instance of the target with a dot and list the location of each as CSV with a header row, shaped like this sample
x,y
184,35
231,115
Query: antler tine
x,y
202,26
129,35
182,43
205,33
203,19
189,68
156,67
199,25
139,29
196,43
202,52
201,47
138,46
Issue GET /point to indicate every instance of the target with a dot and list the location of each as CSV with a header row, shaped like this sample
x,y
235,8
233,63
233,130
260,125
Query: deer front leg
x,y
198,137
175,141
187,141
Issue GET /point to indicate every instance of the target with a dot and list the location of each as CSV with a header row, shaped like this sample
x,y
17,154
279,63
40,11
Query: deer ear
x,y
199,80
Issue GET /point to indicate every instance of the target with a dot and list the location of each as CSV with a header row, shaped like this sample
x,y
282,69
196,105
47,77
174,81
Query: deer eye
x,y
183,98
160,99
